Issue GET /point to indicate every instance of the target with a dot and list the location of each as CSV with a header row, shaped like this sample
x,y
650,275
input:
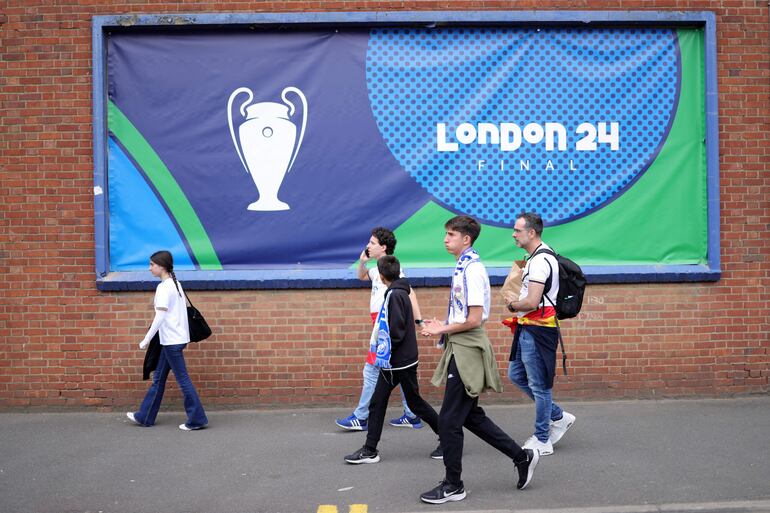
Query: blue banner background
x,y
369,155
175,88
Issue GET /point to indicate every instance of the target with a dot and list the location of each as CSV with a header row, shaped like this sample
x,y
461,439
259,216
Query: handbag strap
x,y
188,299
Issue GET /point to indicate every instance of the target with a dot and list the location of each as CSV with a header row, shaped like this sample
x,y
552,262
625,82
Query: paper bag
x,y
512,285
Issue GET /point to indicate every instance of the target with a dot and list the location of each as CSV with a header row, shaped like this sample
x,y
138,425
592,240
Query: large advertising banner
x,y
281,149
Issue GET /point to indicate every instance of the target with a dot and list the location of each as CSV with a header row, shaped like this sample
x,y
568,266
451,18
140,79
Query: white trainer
x,y
544,448
185,427
559,427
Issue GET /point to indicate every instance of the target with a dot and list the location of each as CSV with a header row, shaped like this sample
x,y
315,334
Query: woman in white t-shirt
x,y
171,324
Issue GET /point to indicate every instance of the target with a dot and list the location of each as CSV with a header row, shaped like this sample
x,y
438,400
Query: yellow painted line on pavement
x,y
354,508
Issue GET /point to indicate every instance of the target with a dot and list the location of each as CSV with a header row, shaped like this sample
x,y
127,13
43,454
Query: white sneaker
x,y
131,417
185,427
544,448
559,427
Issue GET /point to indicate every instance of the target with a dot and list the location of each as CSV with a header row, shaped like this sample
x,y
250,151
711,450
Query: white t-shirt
x,y
378,290
174,329
538,270
477,280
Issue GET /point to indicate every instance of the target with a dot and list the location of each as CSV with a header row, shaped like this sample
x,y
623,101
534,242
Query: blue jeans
x,y
171,359
527,371
371,373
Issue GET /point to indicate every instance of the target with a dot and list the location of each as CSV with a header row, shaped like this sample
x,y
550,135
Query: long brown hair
x,y
164,259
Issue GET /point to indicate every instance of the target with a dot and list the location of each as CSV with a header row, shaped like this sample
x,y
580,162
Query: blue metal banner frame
x,y
345,278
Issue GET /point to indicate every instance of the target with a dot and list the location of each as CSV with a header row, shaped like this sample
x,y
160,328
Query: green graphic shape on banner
x,y
171,194
137,232
661,219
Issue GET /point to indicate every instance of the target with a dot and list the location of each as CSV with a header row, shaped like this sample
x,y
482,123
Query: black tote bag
x,y
199,328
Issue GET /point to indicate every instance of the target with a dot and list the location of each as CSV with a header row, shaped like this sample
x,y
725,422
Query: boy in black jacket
x,y
398,365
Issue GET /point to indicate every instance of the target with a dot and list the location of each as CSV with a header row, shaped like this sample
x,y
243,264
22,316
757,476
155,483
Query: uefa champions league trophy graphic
x,y
267,143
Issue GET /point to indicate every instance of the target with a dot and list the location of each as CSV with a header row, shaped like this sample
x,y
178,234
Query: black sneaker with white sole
x,y
526,468
444,492
438,453
363,455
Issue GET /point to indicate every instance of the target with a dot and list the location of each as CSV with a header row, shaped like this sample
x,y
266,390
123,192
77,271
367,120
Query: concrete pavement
x,y
624,456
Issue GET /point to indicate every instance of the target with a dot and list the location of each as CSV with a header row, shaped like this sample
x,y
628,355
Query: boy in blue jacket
x,y
395,342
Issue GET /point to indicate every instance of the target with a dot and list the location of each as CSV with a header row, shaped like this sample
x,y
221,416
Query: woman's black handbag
x,y
199,328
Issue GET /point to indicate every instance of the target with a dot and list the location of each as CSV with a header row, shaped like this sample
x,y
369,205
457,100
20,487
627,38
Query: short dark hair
x,y
386,238
389,267
465,225
532,221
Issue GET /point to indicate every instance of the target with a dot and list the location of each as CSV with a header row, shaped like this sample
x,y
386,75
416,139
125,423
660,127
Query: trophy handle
x,y
291,112
243,113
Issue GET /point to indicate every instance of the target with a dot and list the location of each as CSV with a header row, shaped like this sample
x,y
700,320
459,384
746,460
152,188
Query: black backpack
x,y
572,286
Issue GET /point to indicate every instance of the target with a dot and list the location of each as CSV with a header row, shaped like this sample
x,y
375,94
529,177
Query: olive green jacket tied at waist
x,y
475,361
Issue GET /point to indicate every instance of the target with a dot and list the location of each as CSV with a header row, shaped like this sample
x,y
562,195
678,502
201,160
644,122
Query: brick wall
x,y
66,345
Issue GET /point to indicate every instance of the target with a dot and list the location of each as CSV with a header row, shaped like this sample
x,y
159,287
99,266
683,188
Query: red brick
x,y
68,345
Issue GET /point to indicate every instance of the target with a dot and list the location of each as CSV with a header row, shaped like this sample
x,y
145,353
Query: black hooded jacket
x,y
403,339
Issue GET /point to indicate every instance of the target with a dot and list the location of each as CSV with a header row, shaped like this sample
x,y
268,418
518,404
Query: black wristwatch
x,y
418,322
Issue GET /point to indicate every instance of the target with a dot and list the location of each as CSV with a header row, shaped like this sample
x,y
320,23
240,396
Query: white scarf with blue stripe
x,y
467,257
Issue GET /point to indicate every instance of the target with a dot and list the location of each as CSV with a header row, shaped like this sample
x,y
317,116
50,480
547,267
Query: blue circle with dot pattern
x,y
418,78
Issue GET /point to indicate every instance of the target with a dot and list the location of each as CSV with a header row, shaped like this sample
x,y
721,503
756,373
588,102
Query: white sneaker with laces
x,y
559,427
544,448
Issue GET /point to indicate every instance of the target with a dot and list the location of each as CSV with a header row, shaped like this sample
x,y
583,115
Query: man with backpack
x,y
536,337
